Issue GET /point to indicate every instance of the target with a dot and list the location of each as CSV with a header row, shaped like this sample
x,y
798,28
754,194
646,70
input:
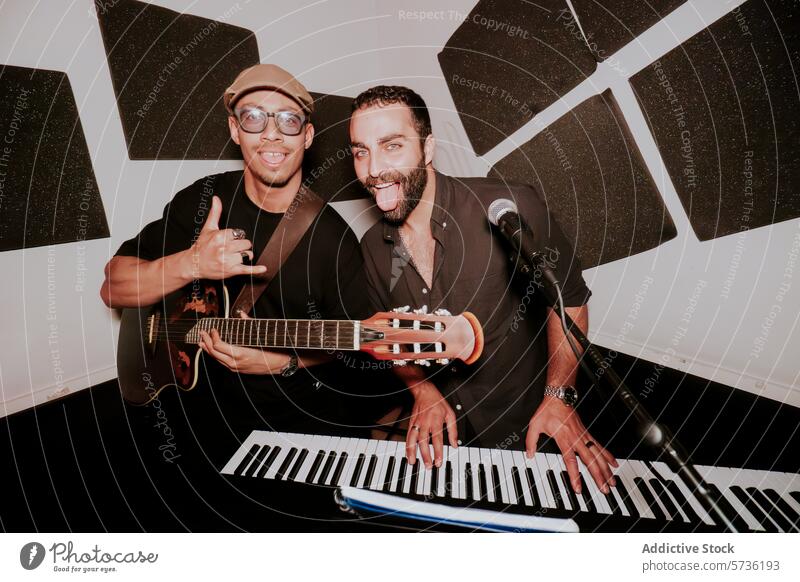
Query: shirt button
x,y
458,407
453,369
424,291
444,225
459,442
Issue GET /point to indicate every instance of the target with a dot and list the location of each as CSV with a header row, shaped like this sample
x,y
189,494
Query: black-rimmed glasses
x,y
254,120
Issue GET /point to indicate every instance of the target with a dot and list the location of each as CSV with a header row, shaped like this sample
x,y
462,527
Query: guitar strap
x,y
296,221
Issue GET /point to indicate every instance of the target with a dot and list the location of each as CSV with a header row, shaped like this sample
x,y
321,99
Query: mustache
x,y
386,177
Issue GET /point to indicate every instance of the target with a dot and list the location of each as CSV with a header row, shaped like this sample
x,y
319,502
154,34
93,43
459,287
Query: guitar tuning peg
x,y
422,362
442,312
404,309
422,310
443,361
400,362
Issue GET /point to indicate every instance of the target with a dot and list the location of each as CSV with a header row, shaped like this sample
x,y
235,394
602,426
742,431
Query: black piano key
x,y
787,509
482,485
401,474
270,459
754,509
612,502
434,480
315,467
286,462
649,499
519,498
387,479
357,470
468,481
247,459
337,473
415,468
587,497
301,458
738,521
626,498
666,500
770,509
551,480
570,493
373,461
683,503
498,495
537,500
796,495
448,480
323,476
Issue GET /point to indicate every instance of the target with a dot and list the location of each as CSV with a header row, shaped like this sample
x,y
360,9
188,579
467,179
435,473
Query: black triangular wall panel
x,y
723,108
509,60
611,24
48,190
169,71
592,175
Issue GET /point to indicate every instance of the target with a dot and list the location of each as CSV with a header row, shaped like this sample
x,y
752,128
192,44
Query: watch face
x,y
570,396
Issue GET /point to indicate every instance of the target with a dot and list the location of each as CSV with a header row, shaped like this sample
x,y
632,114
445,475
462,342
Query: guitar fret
x,y
308,335
337,335
296,328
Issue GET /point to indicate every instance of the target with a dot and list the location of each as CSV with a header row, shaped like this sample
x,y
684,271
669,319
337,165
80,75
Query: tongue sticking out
x,y
388,198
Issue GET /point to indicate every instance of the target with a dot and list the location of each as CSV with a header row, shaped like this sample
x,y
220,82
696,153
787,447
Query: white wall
x,y
342,47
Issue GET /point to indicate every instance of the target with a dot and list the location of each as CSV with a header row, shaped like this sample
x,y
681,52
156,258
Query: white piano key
x,y
421,470
352,458
688,497
723,478
455,486
427,480
380,466
475,460
507,475
626,474
362,478
568,486
497,461
518,461
540,467
276,464
439,486
592,490
556,464
398,454
486,459
785,483
644,473
459,470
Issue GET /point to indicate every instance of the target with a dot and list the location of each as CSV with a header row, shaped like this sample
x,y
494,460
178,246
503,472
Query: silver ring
x,y
245,257
589,444
415,427
238,234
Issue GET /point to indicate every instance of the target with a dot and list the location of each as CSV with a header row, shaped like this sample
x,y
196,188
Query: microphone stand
x,y
653,432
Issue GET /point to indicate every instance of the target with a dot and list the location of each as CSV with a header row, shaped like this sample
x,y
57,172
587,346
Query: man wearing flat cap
x,y
217,228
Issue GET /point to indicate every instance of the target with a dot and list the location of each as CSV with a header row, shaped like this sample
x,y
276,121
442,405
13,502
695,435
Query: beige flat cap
x,y
268,77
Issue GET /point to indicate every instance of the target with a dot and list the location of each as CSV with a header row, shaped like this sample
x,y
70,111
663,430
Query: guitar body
x,y
152,354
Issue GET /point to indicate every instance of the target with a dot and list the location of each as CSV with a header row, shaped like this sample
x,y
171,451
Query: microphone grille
x,y
499,207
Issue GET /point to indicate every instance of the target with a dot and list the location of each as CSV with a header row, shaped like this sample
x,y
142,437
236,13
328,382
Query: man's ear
x,y
309,135
428,148
233,127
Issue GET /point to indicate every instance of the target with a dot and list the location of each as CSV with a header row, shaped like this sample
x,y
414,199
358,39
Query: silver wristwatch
x,y
566,394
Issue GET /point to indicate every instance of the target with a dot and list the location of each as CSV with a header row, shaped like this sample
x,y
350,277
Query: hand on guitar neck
x,y
216,254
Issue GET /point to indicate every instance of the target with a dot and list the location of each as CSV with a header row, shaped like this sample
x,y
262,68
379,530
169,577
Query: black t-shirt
x,y
322,278
499,393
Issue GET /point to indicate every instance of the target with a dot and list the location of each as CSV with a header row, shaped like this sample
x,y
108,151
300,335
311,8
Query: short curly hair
x,y
391,94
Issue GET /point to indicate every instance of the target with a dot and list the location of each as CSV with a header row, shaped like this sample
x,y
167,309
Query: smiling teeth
x,y
384,185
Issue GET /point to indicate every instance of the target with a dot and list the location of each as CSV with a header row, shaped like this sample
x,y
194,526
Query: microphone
x,y
504,215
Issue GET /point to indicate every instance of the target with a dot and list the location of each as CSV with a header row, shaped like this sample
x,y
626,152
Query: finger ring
x,y
245,257
415,427
589,444
238,234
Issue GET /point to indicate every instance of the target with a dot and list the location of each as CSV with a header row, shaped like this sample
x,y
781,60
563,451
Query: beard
x,y
412,185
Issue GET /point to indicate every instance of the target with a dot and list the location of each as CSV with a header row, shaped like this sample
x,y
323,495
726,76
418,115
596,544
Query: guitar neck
x,y
311,334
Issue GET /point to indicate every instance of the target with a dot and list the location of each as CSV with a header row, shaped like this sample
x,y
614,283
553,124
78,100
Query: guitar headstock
x,y
420,337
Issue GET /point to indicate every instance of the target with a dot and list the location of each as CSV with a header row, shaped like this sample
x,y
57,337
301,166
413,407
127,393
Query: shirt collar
x,y
442,197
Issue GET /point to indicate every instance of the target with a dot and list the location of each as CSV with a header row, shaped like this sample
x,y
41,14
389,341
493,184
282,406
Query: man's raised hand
x,y
219,254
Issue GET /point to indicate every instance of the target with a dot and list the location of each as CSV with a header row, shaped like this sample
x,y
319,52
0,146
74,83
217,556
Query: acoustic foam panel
x,y
328,163
48,191
169,71
592,175
611,24
509,60
723,110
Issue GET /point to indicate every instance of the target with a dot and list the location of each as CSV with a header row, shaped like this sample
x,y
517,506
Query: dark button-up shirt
x,y
496,396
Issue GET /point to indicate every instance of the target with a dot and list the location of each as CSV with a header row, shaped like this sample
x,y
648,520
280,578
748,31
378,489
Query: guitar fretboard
x,y
315,334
